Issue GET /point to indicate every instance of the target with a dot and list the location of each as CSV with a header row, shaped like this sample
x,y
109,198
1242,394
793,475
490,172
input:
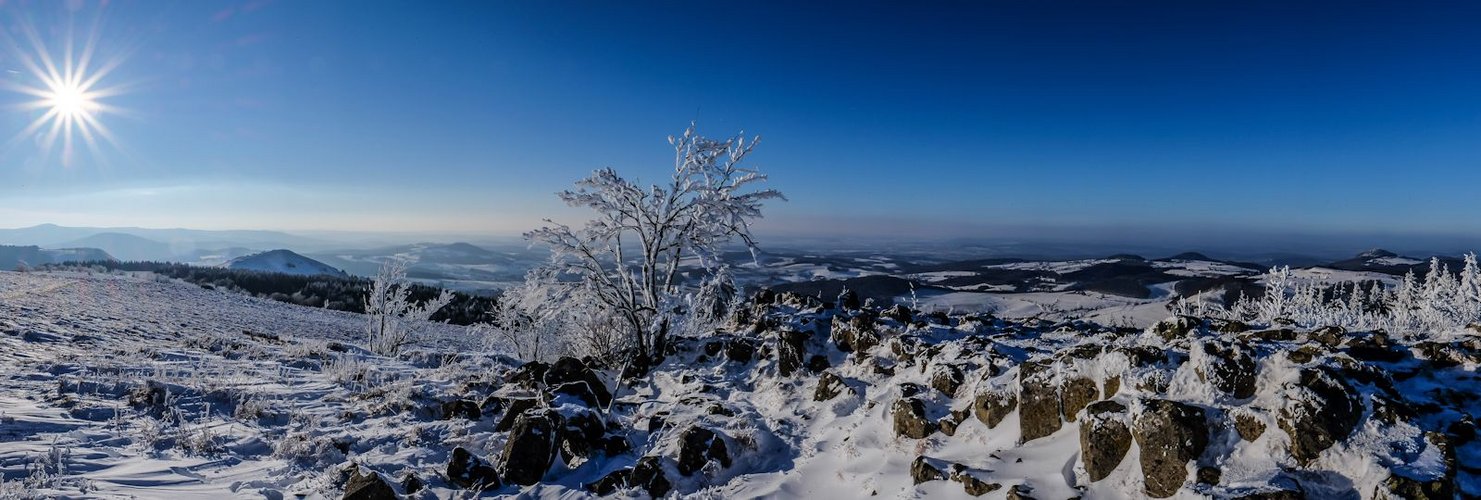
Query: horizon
x,y
997,121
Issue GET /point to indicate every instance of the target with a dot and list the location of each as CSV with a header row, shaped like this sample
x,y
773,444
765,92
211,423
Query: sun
x,y
67,104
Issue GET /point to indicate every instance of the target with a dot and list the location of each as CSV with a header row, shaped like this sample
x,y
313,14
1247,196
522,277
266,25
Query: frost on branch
x,y
392,320
626,262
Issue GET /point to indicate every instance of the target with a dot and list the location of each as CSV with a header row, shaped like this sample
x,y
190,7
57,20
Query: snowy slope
x,y
283,262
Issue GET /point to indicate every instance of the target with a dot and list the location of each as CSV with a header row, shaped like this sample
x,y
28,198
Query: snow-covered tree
x,y
627,259
393,319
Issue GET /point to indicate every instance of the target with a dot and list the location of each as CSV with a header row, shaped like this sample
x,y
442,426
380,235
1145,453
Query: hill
x,y
283,262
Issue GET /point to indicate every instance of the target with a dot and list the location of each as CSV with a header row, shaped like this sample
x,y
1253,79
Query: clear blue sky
x,y
949,120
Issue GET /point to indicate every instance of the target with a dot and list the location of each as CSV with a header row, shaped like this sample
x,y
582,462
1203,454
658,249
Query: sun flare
x,y
67,102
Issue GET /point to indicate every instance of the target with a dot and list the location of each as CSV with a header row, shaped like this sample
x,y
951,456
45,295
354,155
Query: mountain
x,y
437,262
1386,262
283,262
182,242
126,247
14,257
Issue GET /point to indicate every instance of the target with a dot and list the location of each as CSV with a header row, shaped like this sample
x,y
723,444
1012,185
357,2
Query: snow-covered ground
x,y
125,387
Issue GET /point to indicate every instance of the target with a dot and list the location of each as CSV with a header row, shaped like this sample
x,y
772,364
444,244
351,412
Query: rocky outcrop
x,y
947,378
1075,394
466,470
1105,437
1229,367
367,486
531,447
572,373
1169,434
791,351
1038,400
698,447
991,405
1320,409
910,420
830,386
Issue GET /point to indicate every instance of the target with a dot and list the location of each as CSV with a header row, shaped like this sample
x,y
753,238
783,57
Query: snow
x,y
283,262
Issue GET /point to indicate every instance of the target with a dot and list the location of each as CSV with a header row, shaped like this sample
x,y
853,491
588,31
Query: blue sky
x,y
961,119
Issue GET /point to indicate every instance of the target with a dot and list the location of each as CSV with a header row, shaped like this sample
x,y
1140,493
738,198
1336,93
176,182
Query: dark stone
x,y
1319,411
368,486
817,363
1020,492
899,313
699,446
580,435
461,408
947,378
1209,475
1230,368
829,387
975,487
948,424
568,370
1038,400
531,447
849,300
1105,437
713,349
990,406
1176,328
1169,434
610,483
528,375
1330,336
791,350
1075,394
579,391
740,350
922,471
910,420
1248,426
411,483
513,409
468,471
648,475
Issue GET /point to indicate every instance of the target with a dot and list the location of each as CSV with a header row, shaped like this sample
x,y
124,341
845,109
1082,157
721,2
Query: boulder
x,y
740,350
466,470
947,378
531,447
830,386
1171,329
568,370
698,447
1105,437
368,486
411,483
581,435
922,471
513,408
1038,400
1229,367
1208,475
463,408
1320,410
1248,426
791,351
648,474
990,406
910,420
848,300
1169,435
1075,394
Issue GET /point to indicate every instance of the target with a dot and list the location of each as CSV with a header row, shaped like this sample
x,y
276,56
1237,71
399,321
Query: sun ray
x,y
66,88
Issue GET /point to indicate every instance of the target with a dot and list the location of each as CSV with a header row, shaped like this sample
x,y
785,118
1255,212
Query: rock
x,y
947,378
1038,400
1113,386
1105,437
791,351
910,420
817,363
461,408
1229,367
948,424
1209,475
411,483
1075,394
899,313
829,387
648,475
857,334
610,483
974,486
1169,434
1171,329
581,435
514,408
922,471
368,486
528,375
468,471
1330,336
848,300
531,447
700,446
1320,410
577,392
1020,492
991,406
1248,426
568,370
740,350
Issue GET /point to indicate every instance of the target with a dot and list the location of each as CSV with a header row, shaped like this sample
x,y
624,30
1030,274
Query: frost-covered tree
x,y
392,319
626,260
